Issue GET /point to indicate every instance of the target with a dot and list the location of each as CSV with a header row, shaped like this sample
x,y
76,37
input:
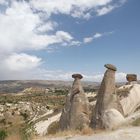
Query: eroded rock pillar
x,y
75,114
106,99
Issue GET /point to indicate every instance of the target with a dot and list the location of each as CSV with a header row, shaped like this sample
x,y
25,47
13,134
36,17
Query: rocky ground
x,y
34,113
129,133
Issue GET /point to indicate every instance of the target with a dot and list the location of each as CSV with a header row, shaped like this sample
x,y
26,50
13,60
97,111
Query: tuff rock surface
x,y
75,114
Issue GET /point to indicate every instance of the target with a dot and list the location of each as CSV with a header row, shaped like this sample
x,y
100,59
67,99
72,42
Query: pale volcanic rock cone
x,y
107,101
75,114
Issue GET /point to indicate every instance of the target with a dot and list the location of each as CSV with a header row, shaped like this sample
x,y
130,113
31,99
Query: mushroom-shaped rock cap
x,y
111,67
79,76
131,77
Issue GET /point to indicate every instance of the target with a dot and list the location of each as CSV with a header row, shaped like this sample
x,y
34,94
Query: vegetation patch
x,y
3,134
136,122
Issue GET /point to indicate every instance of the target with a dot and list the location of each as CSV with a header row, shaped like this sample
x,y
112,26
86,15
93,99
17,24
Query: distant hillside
x,y
15,86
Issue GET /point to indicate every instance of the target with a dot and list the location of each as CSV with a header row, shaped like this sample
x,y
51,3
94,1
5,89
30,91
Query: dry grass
x,y
70,133
54,130
85,131
14,137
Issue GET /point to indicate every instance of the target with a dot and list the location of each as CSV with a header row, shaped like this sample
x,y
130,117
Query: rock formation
x,y
130,99
106,99
112,119
64,122
131,78
75,114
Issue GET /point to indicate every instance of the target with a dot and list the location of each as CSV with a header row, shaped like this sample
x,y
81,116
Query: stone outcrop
x,y
106,99
131,78
64,122
130,99
75,114
112,119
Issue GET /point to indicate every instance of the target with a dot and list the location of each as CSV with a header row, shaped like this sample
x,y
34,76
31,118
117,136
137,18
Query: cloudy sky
x,y
52,39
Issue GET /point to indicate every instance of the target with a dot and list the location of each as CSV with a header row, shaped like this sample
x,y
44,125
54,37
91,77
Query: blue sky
x,y
45,39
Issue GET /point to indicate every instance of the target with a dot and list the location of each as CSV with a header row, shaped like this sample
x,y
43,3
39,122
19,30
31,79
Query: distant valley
x,y
16,86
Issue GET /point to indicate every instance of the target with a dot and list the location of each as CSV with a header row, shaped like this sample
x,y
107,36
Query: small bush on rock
x,y
136,122
3,134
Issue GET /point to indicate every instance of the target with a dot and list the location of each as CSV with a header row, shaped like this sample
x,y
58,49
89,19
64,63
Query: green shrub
x,y
136,122
24,115
25,132
3,134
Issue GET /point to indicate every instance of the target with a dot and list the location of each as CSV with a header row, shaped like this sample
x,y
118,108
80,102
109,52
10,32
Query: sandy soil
x,y
131,133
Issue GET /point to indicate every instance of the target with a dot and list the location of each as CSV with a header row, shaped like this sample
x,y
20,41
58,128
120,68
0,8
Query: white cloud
x,y
49,26
75,8
98,77
121,77
75,43
95,36
21,62
20,25
88,39
108,8
80,14
23,27
63,36
105,10
18,66
3,2
18,29
45,74
22,30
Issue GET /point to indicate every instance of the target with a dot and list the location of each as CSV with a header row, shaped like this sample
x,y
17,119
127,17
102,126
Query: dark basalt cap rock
x,y
111,67
131,77
77,76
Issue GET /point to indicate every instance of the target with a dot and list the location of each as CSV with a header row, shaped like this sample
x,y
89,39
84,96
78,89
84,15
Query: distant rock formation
x,y
106,100
131,78
75,114
112,109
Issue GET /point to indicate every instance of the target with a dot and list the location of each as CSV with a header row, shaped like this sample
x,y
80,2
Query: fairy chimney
x,y
75,114
106,99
